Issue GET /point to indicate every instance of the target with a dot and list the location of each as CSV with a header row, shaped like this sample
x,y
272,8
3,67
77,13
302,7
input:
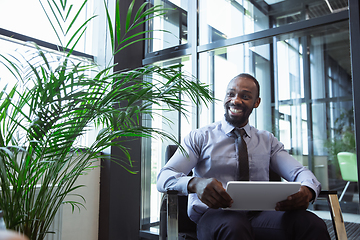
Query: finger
x,y
293,202
222,196
283,206
216,198
211,202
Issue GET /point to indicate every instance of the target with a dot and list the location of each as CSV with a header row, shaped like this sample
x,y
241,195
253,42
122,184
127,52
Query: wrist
x,y
191,187
311,194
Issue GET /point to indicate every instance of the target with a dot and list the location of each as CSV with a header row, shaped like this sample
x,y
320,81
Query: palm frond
x,y
57,100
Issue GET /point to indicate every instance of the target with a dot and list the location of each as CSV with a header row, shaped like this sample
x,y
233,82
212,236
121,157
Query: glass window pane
x,y
290,71
330,65
154,155
222,19
27,17
6,78
328,103
174,22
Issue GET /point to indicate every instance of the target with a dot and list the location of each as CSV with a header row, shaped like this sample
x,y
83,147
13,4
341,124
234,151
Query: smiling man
x,y
215,156
240,99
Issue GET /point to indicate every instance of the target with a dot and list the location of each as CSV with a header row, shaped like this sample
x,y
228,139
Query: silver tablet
x,y
259,196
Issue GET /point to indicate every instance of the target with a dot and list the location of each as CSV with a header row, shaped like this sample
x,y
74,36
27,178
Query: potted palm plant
x,y
342,140
55,101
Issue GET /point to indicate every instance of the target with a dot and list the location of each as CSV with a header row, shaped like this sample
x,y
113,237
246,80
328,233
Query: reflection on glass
x,y
222,19
174,22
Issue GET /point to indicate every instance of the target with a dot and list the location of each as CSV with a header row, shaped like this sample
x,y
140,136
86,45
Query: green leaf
x,y
140,10
52,25
110,27
76,16
128,16
118,22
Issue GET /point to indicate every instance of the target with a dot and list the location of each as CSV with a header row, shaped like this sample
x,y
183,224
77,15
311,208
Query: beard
x,y
236,121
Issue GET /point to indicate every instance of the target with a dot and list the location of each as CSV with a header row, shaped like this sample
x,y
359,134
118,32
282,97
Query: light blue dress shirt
x,y
212,153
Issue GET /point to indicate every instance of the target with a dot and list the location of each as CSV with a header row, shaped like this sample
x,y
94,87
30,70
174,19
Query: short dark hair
x,y
246,75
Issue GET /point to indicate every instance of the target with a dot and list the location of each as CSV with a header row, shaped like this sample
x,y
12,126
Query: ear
x,y
257,102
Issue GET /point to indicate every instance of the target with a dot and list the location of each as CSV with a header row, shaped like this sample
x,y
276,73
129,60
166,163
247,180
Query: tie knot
x,y
239,132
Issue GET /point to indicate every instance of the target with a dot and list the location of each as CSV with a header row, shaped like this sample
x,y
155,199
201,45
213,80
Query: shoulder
x,y
203,134
208,129
261,133
264,136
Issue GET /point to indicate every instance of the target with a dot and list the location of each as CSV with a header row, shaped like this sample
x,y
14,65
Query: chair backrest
x,y
185,226
348,166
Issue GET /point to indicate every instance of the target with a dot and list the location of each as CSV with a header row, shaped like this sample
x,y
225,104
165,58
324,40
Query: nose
x,y
236,100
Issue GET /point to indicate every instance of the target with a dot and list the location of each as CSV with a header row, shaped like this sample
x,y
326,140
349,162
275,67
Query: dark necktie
x,y
243,155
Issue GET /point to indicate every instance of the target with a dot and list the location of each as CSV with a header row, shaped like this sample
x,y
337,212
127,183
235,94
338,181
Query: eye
x,y
230,94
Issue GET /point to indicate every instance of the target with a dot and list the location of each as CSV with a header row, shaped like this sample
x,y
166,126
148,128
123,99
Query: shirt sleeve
x,y
173,176
290,169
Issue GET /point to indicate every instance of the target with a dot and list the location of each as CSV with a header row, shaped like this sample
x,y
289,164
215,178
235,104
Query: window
x,y
174,23
34,27
30,20
228,19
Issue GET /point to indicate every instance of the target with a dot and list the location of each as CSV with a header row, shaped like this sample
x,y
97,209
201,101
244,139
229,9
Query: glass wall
x,y
316,110
304,73
154,148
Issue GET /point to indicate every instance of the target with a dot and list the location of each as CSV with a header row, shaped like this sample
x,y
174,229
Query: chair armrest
x,y
169,216
336,214
172,218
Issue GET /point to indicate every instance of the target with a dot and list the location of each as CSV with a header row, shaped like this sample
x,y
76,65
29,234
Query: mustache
x,y
234,105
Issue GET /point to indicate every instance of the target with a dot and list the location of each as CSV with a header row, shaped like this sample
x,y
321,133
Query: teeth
x,y
234,110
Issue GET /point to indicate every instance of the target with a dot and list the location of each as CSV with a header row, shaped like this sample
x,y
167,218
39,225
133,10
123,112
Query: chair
x,y
348,169
175,223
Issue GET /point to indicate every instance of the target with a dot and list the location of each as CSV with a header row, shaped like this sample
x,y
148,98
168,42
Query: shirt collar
x,y
227,128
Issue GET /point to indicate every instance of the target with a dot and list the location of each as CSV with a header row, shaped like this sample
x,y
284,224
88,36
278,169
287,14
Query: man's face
x,y
240,99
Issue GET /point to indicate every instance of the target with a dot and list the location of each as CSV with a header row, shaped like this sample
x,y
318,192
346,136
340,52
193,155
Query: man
x,y
213,157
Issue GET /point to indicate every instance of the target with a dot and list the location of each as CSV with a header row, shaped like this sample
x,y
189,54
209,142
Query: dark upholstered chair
x,y
175,223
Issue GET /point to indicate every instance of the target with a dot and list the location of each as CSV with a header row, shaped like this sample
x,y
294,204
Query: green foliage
x,y
56,101
343,139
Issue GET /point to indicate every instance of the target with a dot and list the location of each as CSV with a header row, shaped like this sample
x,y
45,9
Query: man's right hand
x,y
210,191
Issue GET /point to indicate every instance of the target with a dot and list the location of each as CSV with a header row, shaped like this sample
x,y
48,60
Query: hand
x,y
297,201
11,235
210,191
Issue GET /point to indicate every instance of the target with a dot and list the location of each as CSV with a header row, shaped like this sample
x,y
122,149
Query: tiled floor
x,y
348,217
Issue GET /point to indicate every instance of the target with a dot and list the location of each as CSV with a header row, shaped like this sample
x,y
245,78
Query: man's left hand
x,y
297,201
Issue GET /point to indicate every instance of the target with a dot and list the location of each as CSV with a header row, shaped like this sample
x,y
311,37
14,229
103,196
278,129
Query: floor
x,y
348,217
